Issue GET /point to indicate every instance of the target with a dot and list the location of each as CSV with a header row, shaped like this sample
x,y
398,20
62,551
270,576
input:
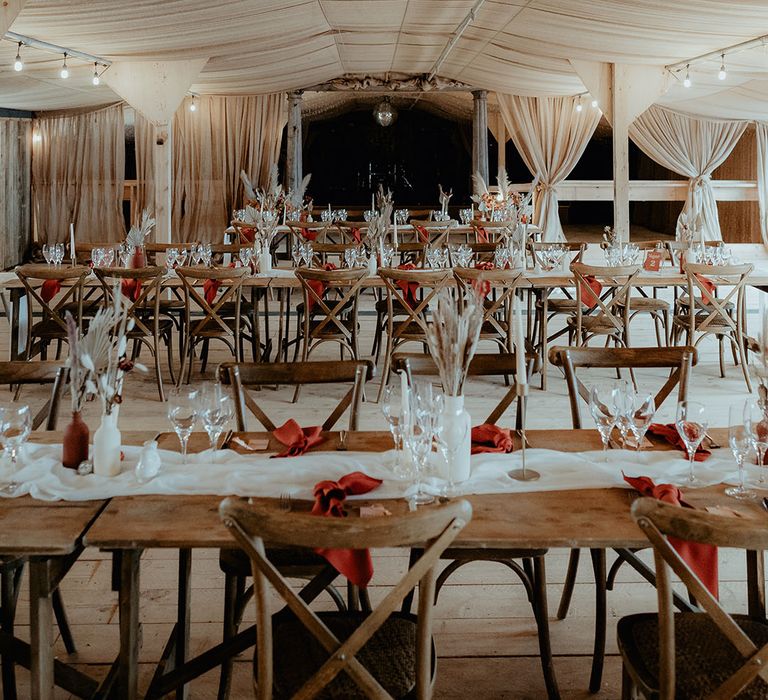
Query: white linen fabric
x,y
551,136
762,177
690,147
78,171
43,477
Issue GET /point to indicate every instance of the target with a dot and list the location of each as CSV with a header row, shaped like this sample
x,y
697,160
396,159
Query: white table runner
x,y
42,476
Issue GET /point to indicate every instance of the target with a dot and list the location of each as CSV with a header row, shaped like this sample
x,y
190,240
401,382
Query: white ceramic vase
x,y
106,446
265,263
458,438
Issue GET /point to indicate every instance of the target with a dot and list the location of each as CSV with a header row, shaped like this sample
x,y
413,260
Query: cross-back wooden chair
x,y
547,306
437,232
331,253
142,305
709,653
399,661
257,374
330,308
497,288
18,374
487,231
679,361
240,377
318,229
609,315
213,325
414,311
724,317
245,232
51,325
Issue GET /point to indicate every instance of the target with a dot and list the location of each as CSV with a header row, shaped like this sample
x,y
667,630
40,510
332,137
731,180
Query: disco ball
x,y
384,113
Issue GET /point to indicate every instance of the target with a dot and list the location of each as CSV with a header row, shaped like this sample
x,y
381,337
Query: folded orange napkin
x,y
50,289
309,234
491,438
409,288
709,287
355,564
590,291
131,289
669,432
356,235
297,439
210,289
701,558
423,234
482,234
319,286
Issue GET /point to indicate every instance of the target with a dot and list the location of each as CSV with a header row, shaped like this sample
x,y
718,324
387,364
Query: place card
x,y
252,445
653,261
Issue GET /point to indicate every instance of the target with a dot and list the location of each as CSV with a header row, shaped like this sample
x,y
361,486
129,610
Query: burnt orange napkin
x,y
247,234
483,287
590,291
409,289
319,286
709,287
356,235
423,234
491,438
297,439
669,432
482,234
131,289
355,564
50,289
701,558
309,234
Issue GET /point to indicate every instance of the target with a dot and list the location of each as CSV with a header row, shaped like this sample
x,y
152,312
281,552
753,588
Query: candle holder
x,y
523,474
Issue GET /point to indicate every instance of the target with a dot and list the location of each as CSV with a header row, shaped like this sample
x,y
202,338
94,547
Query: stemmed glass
x,y
388,409
691,423
182,414
740,444
206,254
307,252
756,423
450,444
297,253
48,253
642,414
623,396
605,418
216,411
418,437
244,254
15,426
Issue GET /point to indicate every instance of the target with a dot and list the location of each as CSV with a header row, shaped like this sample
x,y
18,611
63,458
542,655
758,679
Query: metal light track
x,y
53,48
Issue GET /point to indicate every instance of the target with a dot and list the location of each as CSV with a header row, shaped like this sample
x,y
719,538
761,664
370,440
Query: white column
x,y
293,155
163,177
480,134
621,122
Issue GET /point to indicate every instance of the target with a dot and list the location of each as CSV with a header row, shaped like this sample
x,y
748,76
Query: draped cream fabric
x,y
144,135
78,171
690,147
211,145
762,177
551,136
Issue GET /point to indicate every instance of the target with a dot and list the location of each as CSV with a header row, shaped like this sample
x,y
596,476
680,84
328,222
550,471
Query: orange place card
x,y
653,261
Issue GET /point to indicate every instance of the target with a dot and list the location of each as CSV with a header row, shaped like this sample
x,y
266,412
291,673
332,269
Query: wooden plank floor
x,y
484,629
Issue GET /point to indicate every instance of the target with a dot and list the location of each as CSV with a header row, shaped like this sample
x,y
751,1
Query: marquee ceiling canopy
x,y
513,46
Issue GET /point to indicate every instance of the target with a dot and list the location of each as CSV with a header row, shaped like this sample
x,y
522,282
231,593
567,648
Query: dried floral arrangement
x,y
138,233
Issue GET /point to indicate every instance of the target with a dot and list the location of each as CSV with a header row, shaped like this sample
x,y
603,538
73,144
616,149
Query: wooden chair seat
x,y
641,303
389,655
704,658
294,562
700,303
596,325
49,329
560,306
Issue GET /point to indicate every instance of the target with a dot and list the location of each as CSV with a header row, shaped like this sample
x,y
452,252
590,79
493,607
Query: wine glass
x,y
217,411
756,422
297,253
691,423
604,417
182,414
418,437
15,426
47,253
450,439
641,417
740,443
623,396
391,413
307,252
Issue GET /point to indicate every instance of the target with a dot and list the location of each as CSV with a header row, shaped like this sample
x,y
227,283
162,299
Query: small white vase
x,y
458,438
372,266
265,263
106,446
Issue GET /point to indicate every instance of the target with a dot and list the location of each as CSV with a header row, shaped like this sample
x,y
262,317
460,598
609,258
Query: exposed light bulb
x,y
18,65
722,75
579,106
193,105
594,104
96,80
687,79
64,70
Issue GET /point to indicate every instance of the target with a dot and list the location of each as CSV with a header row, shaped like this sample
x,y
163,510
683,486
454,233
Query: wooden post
x,y
501,138
621,121
293,156
163,177
130,631
41,629
480,134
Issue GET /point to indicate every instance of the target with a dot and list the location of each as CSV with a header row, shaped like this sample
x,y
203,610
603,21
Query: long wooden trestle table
x,y
52,534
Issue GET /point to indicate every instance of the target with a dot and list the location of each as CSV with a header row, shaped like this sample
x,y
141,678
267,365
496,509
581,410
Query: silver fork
x,y
285,501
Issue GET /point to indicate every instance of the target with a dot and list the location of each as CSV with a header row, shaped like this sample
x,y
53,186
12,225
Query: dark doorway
x,y
349,155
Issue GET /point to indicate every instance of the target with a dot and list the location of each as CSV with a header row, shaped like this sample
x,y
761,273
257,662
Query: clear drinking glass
x,y
756,422
182,414
604,416
216,411
307,254
623,396
691,423
15,426
449,447
641,417
419,440
740,443
390,408
47,253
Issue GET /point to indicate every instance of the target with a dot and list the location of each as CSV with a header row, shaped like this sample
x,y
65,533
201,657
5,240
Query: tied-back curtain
x,y
144,134
551,136
78,173
211,145
762,177
691,147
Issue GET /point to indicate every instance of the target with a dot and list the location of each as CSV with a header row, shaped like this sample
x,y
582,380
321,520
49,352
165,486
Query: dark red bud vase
x,y
75,442
137,259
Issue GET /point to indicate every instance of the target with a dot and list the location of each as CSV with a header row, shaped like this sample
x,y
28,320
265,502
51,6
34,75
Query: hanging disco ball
x,y
385,113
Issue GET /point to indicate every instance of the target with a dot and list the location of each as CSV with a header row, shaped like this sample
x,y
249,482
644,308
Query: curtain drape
x,y
762,177
551,136
78,173
144,135
211,145
691,147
